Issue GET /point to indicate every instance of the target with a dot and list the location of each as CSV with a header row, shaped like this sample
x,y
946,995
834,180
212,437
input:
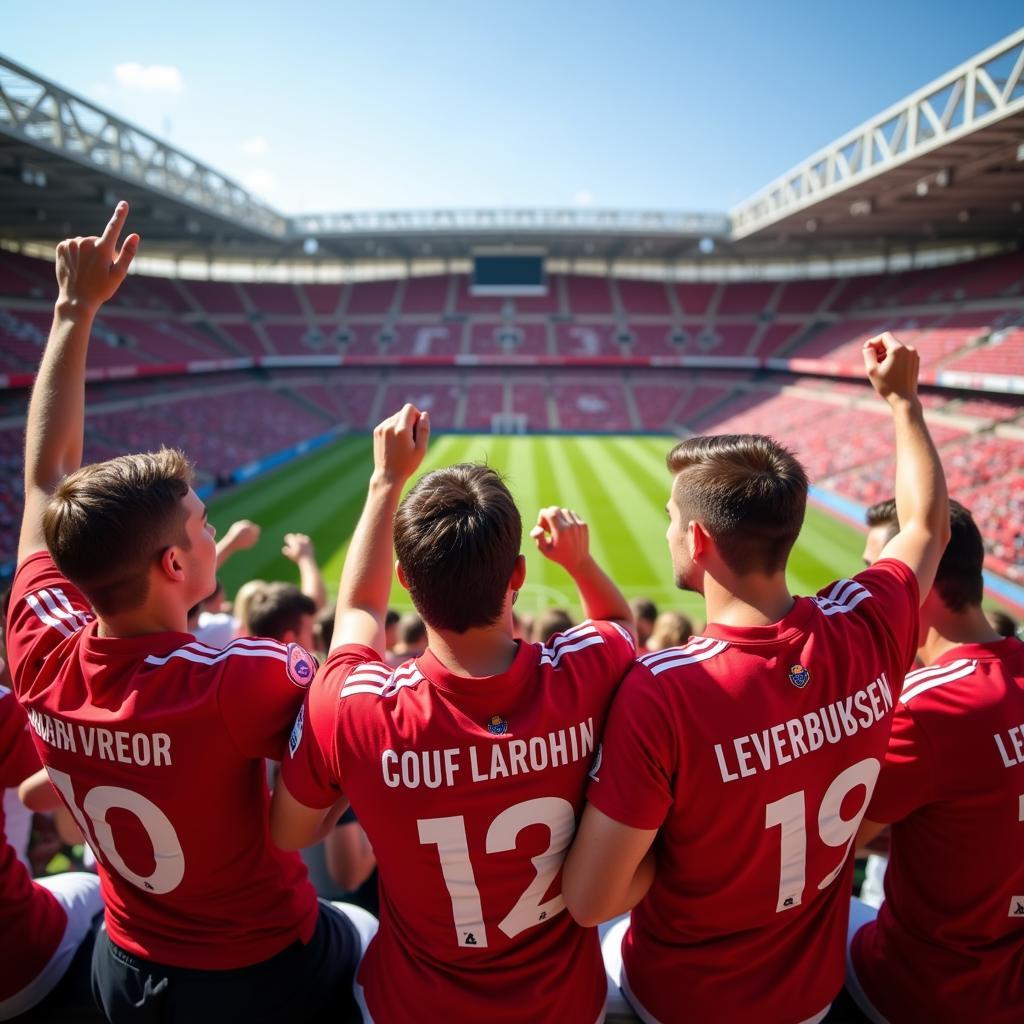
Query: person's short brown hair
x,y
747,491
883,513
107,523
457,537
550,622
958,579
278,608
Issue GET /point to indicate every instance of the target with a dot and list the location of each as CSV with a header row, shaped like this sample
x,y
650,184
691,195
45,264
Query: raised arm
x,y
89,272
399,444
299,549
922,504
239,536
562,536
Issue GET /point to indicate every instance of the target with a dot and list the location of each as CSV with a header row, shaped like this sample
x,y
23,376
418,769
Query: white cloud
x,y
583,198
257,146
259,180
164,78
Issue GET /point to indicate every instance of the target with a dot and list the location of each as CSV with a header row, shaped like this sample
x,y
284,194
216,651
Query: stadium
x,y
569,348
555,323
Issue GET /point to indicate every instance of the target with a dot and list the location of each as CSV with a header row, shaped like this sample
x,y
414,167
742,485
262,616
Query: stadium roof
x,y
945,165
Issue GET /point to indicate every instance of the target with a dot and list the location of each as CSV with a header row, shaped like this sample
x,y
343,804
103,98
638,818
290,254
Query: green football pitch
x,y
618,484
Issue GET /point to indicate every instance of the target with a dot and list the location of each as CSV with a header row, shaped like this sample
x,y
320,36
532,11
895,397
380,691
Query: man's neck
x,y
954,629
488,651
746,601
142,623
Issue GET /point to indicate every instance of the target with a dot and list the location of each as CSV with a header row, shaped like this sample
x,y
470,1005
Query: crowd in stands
x,y
698,795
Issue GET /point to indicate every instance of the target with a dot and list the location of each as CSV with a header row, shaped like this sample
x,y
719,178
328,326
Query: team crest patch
x,y
301,665
799,676
296,737
497,726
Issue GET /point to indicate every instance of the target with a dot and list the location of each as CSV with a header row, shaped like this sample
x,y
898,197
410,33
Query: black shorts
x,y
305,982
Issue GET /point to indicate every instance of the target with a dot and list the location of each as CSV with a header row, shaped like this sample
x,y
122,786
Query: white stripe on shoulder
x,y
43,614
186,653
694,646
83,616
844,596
364,681
626,635
920,674
938,680
570,636
715,649
554,660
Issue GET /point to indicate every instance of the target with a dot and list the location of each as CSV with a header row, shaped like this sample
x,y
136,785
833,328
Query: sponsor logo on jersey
x,y
296,737
497,726
301,665
799,676
596,766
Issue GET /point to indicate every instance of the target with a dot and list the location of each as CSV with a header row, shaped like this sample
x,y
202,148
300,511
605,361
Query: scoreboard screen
x,y
508,275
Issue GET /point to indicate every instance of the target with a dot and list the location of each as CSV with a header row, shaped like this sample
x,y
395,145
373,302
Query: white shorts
x,y
860,914
79,894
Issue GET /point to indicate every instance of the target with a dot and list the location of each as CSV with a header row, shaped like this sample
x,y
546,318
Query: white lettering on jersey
x,y
434,768
781,743
138,748
1012,750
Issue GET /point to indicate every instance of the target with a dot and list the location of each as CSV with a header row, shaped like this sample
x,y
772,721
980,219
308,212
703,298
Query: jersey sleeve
x,y
262,684
18,757
606,648
909,776
887,596
312,770
634,777
45,609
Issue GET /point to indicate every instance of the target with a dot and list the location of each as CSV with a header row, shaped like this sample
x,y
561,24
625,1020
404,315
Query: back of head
x,y
107,524
959,580
550,622
277,609
670,630
244,598
457,537
747,491
644,610
412,633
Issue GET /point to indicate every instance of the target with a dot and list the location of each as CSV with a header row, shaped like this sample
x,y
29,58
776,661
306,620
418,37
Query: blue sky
x,y
335,106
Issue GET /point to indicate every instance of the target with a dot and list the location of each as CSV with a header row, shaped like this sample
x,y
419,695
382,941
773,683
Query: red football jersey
x,y
156,743
32,922
755,751
948,943
469,790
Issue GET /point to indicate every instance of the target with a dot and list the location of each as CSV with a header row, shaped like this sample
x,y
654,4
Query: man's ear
x,y
518,577
171,564
400,573
698,540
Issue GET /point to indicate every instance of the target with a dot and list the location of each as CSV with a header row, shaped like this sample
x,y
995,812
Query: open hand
x,y
242,534
90,270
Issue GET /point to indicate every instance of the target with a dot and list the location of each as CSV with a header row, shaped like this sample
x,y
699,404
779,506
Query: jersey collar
x,y
998,650
522,666
793,623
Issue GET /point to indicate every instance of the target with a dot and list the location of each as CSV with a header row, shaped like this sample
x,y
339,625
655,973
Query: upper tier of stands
x,y
968,317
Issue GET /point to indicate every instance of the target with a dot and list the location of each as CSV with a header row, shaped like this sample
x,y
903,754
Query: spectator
x,y
1002,623
670,630
550,622
645,613
284,613
412,639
